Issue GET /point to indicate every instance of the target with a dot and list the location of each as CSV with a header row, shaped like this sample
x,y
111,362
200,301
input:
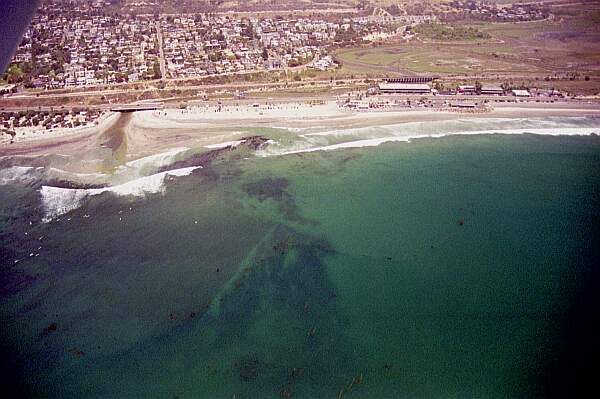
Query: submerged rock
x,y
52,327
247,367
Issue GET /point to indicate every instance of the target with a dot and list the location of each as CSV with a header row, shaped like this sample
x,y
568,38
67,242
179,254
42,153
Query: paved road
x,y
495,101
163,67
204,87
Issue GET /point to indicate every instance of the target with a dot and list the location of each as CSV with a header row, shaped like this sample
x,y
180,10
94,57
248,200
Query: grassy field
x,y
565,50
439,58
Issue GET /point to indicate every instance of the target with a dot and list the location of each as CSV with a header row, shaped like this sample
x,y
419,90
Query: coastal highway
x,y
181,85
203,87
274,89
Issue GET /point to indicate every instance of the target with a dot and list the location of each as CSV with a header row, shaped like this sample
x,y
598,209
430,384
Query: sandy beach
x,y
151,132
36,133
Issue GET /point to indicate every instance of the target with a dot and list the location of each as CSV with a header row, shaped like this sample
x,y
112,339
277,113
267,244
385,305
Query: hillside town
x,y
74,45
200,46
69,47
66,48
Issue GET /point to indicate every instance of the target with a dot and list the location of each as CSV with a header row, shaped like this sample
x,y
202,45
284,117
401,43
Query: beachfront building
x,y
492,90
521,93
467,89
404,88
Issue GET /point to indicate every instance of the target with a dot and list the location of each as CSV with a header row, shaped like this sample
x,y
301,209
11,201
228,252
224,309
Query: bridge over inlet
x,y
137,107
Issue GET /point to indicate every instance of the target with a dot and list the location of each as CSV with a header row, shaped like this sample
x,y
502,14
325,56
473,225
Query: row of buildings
x,y
400,86
386,18
493,11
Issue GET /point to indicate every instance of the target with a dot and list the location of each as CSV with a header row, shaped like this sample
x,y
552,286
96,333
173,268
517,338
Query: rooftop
x,y
403,86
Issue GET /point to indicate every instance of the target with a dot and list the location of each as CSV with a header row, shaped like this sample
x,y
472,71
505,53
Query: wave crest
x,y
58,201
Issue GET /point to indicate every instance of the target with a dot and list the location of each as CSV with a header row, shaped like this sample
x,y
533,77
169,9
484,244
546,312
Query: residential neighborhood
x,y
79,44
200,46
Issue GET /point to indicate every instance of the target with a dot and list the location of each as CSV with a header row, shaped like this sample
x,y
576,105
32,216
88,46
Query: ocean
x,y
437,267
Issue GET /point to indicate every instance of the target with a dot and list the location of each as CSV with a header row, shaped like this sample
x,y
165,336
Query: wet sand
x,y
150,132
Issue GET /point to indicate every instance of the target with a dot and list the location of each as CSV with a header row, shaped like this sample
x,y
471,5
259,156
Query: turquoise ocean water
x,y
455,267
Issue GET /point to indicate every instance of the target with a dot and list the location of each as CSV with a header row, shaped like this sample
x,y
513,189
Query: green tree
x,y
14,74
156,70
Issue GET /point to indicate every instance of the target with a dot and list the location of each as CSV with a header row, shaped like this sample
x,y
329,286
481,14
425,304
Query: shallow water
x,y
450,267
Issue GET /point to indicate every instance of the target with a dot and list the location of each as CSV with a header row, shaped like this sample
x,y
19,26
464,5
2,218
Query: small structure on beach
x,y
357,105
464,105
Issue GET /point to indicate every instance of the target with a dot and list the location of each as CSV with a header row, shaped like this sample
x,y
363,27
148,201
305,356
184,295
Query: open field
x,y
446,59
564,50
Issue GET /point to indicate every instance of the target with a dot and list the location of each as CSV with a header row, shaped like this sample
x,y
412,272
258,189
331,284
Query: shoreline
x,y
150,154
24,134
152,132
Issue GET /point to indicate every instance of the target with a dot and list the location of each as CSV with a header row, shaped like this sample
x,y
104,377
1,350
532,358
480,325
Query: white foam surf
x,y
66,173
399,136
225,144
157,160
19,174
58,201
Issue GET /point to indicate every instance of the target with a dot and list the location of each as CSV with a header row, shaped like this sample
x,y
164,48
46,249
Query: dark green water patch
x,y
274,189
456,267
228,153
268,188
274,330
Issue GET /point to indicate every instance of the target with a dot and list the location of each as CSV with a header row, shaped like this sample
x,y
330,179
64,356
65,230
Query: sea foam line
x,y
157,160
58,201
586,131
21,174
225,144
75,174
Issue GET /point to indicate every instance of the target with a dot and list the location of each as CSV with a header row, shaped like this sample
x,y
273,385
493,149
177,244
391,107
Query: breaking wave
x,y
20,174
157,160
58,201
408,138
376,135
